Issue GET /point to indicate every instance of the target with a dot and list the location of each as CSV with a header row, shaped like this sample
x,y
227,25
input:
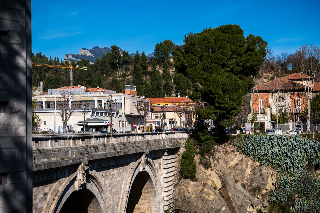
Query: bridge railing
x,y
50,141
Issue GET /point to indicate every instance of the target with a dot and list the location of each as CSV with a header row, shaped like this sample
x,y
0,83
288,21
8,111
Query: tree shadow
x,y
15,107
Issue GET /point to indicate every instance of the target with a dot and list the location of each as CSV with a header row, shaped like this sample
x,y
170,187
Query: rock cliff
x,y
233,183
90,55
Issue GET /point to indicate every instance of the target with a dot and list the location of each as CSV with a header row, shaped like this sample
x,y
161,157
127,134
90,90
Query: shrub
x,y
188,165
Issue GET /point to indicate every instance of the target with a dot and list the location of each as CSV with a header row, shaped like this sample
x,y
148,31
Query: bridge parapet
x,y
49,141
54,151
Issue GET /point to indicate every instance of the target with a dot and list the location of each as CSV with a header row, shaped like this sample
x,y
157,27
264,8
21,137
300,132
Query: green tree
x,y
115,57
126,58
144,63
104,64
136,58
188,167
163,51
156,89
138,74
220,63
182,84
315,109
115,84
167,80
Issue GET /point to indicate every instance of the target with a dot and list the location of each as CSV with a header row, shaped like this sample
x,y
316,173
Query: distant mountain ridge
x,y
90,55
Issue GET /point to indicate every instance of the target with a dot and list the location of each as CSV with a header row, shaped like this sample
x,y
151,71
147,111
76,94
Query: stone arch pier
x,y
118,177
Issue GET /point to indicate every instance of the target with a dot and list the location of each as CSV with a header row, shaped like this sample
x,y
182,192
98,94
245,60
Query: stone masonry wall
x,y
15,106
111,168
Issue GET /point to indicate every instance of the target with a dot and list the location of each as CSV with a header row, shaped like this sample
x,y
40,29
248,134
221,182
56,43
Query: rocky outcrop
x,y
90,55
233,183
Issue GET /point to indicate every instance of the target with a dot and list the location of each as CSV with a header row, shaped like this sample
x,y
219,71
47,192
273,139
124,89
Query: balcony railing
x,y
296,110
262,111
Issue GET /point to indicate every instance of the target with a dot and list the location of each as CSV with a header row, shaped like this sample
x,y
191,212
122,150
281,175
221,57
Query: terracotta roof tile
x,y
69,87
298,76
279,84
316,87
94,90
170,100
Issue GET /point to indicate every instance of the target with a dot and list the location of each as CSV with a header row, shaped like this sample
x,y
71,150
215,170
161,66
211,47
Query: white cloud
x,y
73,14
282,40
59,33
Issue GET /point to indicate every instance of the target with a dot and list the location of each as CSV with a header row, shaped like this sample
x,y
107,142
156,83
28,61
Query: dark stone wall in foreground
x,y
15,106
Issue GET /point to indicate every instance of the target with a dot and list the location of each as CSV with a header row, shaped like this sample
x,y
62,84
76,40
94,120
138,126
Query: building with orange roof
x,y
287,94
171,112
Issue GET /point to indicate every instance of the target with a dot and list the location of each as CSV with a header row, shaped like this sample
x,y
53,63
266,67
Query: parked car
x,y
159,130
229,131
293,132
270,131
184,130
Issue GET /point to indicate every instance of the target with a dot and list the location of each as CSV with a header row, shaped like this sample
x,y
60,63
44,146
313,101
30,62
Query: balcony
x,y
296,110
262,111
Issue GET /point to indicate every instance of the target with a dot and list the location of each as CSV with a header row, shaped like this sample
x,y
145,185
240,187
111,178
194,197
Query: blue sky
x,y
62,27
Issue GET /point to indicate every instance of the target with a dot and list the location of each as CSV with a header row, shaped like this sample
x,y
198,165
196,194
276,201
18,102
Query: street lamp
x,y
84,117
163,116
110,112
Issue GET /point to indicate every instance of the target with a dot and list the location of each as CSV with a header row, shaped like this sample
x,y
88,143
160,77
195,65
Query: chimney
x,y
41,88
130,90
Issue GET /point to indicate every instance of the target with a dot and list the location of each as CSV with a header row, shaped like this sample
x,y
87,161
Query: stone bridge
x,y
105,173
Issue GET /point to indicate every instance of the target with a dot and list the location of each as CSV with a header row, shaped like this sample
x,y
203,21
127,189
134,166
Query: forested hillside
x,y
154,77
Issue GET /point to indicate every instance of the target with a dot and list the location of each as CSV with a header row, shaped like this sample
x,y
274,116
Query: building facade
x,y
171,112
99,108
282,96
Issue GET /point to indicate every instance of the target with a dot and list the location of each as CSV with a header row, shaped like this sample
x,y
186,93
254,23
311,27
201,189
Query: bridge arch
x,y
142,188
90,195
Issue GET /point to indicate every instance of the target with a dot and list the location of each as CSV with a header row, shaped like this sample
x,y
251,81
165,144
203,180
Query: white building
x,y
98,107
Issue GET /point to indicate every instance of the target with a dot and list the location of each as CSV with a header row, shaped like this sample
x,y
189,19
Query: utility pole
x,y
55,117
84,117
309,97
110,110
259,111
123,112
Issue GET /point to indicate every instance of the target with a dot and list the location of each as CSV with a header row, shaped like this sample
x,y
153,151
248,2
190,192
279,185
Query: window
x,y
172,122
44,122
298,103
99,103
121,124
49,104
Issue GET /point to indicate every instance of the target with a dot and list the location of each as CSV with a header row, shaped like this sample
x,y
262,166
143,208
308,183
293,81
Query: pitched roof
x,y
168,109
69,87
279,84
298,77
170,100
316,87
94,90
